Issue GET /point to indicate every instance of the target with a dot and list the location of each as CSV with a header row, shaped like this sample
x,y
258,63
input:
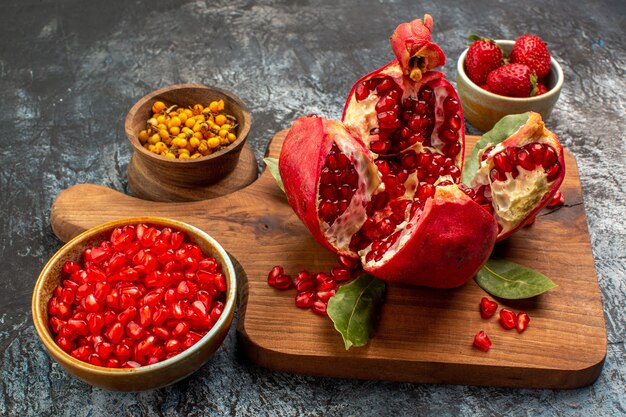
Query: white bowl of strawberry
x,y
501,77
135,304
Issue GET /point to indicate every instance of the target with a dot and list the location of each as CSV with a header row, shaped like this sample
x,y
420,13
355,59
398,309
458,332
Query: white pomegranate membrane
x,y
144,295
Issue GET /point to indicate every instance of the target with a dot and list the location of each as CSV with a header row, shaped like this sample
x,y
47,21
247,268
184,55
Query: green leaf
x,y
272,165
506,127
354,309
512,281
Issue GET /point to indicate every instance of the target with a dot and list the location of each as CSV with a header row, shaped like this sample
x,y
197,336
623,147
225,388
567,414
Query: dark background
x,y
70,70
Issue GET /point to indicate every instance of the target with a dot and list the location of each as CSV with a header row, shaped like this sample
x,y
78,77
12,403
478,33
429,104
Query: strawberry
x,y
532,51
483,56
541,89
512,80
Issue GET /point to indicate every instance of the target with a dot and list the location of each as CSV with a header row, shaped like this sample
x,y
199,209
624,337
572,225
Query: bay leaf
x,y
272,165
506,279
354,309
505,127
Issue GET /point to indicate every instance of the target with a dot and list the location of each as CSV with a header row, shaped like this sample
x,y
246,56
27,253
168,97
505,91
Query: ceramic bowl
x,y
483,109
145,377
188,172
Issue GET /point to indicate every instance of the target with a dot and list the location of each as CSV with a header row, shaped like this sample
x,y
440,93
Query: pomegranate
x,y
382,185
519,176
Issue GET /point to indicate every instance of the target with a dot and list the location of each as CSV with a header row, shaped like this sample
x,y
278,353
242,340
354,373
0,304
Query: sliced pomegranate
x,y
519,176
488,308
381,187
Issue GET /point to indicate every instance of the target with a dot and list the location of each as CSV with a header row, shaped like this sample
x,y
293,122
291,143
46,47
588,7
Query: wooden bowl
x,y
145,377
188,172
484,109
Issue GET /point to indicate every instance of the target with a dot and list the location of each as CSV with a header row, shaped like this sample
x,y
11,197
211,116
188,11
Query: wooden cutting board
x,y
424,335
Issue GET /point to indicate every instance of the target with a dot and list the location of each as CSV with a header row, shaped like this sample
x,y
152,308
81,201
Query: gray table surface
x,y
70,70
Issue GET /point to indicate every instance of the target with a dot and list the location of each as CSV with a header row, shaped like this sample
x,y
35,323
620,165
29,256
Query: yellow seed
x,y
232,137
194,142
203,147
158,107
164,134
214,107
143,136
190,122
188,112
161,119
162,126
220,105
198,135
196,155
213,143
220,119
175,122
179,142
224,141
197,127
167,141
197,109
175,130
154,139
152,123
226,126
160,147
223,133
183,156
170,155
200,118
186,130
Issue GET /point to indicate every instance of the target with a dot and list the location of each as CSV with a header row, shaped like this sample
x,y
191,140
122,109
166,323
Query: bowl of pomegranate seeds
x,y
135,304
501,77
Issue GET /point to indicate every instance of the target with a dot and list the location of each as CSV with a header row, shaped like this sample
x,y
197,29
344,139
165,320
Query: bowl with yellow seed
x,y
188,134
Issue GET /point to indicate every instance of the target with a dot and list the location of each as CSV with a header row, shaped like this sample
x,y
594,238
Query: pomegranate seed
x,y
508,319
319,307
304,281
305,299
522,321
350,263
553,171
78,326
325,295
65,344
481,341
488,308
340,274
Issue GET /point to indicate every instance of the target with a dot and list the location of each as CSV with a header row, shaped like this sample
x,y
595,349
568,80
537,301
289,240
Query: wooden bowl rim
x,y
237,144
41,326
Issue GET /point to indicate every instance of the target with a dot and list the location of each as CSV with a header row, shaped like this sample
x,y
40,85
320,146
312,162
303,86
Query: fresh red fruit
x,y
541,89
519,176
125,301
381,185
482,57
522,321
481,341
508,319
532,51
512,80
487,307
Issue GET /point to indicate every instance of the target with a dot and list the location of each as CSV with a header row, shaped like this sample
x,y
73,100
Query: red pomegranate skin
x,y
451,241
302,157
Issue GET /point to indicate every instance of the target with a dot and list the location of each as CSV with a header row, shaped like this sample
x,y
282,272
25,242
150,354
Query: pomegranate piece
x,y
488,308
519,176
381,186
508,319
481,341
522,321
138,298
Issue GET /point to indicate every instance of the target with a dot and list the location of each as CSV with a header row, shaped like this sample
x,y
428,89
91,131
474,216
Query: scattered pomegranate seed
x,y
487,308
522,321
508,319
142,296
481,341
